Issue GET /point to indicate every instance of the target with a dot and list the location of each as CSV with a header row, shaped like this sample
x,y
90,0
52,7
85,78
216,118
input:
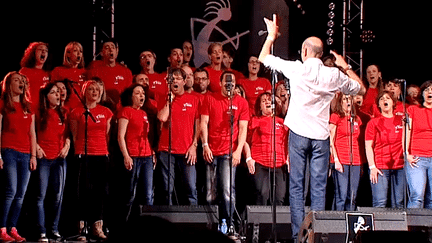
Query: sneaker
x,y
43,238
5,237
16,236
55,235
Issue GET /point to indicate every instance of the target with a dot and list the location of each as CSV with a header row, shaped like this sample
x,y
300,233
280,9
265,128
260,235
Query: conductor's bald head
x,y
312,47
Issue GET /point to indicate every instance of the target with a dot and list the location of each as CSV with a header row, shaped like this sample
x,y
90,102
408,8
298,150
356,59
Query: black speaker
x,y
199,217
331,226
259,223
419,220
416,217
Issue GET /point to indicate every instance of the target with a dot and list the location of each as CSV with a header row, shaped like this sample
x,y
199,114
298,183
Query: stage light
x,y
331,24
367,36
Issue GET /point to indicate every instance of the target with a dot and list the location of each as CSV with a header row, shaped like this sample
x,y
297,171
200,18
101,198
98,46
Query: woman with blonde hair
x,y
93,181
73,70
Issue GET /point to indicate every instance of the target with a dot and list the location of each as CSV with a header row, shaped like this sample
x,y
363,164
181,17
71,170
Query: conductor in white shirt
x,y
313,86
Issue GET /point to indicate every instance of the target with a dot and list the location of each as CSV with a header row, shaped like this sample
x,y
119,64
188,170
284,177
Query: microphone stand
x,y
407,127
273,105
170,81
351,159
230,99
87,113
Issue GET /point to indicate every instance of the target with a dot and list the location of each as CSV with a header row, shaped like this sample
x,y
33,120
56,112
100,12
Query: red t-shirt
x,y
368,100
97,132
421,133
157,85
184,112
214,77
216,107
386,134
36,78
15,133
74,74
261,134
136,136
253,89
116,79
52,139
341,141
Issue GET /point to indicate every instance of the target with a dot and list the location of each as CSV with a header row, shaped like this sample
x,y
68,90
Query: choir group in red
x,y
183,116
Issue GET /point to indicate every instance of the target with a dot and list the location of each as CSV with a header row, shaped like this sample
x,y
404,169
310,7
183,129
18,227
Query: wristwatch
x,y
349,67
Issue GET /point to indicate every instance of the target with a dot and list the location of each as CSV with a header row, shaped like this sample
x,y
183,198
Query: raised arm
x,y
272,33
340,61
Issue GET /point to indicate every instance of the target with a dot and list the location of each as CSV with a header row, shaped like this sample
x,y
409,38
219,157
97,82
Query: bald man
x,y
313,86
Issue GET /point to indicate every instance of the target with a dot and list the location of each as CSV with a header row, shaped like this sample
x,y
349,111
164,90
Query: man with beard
x,y
201,81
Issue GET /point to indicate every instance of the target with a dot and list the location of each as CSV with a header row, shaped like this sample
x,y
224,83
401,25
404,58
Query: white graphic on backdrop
x,y
202,41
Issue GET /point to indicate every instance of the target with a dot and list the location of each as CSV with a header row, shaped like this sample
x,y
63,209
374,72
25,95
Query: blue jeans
x,y
419,181
342,197
16,167
142,174
51,173
300,148
395,179
188,176
218,186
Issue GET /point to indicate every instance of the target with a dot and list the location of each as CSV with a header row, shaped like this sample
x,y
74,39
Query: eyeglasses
x,y
254,62
199,79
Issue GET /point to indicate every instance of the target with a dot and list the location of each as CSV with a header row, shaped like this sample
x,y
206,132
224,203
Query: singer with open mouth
x,y
34,68
418,164
184,139
18,152
383,143
215,137
313,86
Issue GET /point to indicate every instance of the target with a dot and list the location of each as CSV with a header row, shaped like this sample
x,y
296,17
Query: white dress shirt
x,y
313,87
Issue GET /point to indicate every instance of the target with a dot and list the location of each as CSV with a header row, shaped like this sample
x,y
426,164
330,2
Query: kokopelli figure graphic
x,y
201,42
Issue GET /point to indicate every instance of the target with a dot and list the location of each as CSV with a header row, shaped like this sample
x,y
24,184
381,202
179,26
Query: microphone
x,y
262,32
229,84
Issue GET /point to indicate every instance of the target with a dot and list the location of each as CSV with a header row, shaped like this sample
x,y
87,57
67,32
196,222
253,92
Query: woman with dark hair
x,y
254,85
18,151
34,68
374,86
73,70
134,144
383,142
93,181
418,166
346,178
53,147
259,151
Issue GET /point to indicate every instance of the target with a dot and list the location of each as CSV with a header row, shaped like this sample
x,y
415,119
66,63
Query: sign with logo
x,y
357,223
